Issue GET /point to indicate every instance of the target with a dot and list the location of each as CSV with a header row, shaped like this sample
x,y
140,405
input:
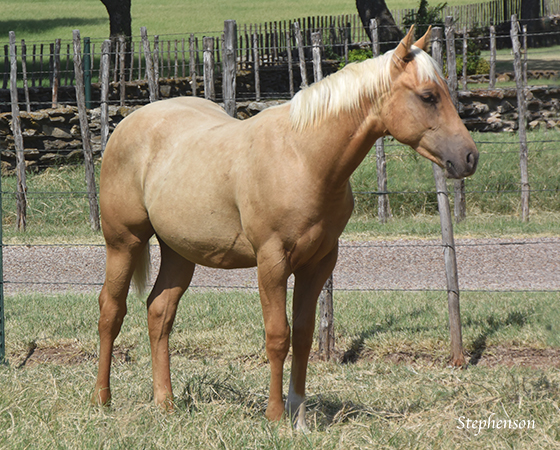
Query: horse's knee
x,y
278,343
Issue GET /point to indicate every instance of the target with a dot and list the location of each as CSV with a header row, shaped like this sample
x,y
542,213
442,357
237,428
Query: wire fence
x,y
274,46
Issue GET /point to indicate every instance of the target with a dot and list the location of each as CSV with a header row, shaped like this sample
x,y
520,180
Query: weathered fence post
x,y
87,71
105,69
460,207
301,53
256,63
84,128
383,208
492,77
374,29
56,73
326,321
522,113
122,70
290,63
457,356
326,315
465,52
21,193
152,86
209,87
192,64
157,69
316,42
230,67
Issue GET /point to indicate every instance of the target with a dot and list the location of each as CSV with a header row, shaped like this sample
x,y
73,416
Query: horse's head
x,y
419,111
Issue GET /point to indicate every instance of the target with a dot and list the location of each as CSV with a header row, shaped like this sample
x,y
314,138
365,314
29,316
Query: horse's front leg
x,y
273,275
308,284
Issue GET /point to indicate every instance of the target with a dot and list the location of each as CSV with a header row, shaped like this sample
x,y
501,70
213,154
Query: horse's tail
x,y
142,271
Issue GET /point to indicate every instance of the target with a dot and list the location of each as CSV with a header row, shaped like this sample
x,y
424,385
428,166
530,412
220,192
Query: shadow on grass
x,y
43,25
353,354
492,326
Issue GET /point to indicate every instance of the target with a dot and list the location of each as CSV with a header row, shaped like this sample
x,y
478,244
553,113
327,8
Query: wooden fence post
x,y
316,42
87,71
209,87
105,69
192,64
383,208
326,315
84,128
522,116
256,63
56,73
21,192
374,29
229,75
301,53
465,51
152,86
290,63
157,69
492,77
460,207
122,70
457,356
326,321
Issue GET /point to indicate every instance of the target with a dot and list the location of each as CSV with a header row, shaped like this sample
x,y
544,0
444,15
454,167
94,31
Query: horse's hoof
x,y
275,413
101,397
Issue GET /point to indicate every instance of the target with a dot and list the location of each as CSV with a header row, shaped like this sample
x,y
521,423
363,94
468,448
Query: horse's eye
x,y
429,98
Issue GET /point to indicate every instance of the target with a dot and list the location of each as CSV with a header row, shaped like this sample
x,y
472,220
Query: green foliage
x,y
424,16
357,55
476,64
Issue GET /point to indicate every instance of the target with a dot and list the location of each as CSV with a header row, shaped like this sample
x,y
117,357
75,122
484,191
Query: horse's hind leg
x,y
122,257
174,277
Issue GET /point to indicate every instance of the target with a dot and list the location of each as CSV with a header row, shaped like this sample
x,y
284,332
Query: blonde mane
x,y
346,90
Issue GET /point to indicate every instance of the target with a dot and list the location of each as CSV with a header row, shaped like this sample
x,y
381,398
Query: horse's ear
x,y
400,55
425,41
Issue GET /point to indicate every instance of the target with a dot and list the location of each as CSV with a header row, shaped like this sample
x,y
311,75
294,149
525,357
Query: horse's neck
x,y
337,146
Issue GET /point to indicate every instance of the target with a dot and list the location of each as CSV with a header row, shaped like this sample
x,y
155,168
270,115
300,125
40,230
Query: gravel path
x,y
484,264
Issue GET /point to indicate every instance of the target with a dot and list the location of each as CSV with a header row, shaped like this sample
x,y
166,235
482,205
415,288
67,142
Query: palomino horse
x,y
270,191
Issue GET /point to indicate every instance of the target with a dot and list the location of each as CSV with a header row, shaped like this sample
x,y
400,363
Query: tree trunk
x,y
120,25
120,21
389,32
530,13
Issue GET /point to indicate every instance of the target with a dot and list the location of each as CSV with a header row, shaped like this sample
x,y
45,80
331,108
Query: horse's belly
x,y
219,250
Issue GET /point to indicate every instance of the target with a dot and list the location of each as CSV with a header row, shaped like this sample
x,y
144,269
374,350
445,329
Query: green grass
x,y
220,376
46,20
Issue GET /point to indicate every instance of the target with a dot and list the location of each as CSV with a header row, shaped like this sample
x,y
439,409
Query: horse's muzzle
x,y
462,167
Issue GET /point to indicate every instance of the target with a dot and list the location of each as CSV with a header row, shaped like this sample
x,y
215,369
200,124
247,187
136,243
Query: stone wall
x,y
52,136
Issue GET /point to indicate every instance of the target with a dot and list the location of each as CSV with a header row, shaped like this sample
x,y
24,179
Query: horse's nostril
x,y
472,160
